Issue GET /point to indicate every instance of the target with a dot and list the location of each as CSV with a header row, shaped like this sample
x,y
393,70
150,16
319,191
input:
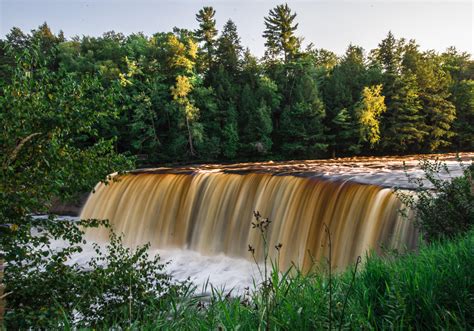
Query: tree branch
x,y
17,149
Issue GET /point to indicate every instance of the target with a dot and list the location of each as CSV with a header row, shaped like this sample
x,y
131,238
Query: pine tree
x,y
280,34
229,49
206,34
341,91
389,54
433,83
403,126
257,128
302,131
460,68
258,102
226,92
463,92
205,100
223,78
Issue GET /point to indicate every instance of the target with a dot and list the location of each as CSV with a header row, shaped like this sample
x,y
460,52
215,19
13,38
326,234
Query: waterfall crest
x,y
212,212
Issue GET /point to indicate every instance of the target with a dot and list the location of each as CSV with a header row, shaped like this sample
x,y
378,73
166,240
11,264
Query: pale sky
x,y
327,24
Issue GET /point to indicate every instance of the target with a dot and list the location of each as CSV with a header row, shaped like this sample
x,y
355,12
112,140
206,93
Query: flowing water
x,y
201,216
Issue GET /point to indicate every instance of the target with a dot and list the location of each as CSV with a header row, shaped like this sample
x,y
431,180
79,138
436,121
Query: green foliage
x,y
257,117
121,282
424,290
301,127
368,111
183,94
342,91
433,84
461,70
206,34
50,148
37,278
226,94
464,103
50,135
428,289
229,49
403,127
444,208
68,107
47,292
279,33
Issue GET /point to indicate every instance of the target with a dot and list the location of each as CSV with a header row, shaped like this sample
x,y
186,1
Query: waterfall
x,y
212,212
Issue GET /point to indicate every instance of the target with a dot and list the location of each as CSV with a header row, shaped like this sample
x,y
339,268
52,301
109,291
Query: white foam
x,y
222,272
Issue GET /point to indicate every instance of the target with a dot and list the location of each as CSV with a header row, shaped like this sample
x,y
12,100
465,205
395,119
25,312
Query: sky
x,y
332,25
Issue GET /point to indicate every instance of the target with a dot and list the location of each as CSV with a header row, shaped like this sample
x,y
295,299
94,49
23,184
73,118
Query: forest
x,y
201,96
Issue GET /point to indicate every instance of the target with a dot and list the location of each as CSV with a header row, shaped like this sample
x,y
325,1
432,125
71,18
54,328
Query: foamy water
x,y
222,272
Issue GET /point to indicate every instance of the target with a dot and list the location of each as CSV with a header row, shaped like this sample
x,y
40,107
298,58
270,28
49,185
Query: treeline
x,y
201,96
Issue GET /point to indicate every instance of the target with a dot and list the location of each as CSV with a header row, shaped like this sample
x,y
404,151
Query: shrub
x,y
443,208
48,292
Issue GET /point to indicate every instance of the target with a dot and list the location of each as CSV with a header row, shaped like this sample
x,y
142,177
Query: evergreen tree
x,y
141,118
280,33
460,68
341,91
257,118
176,101
322,58
259,99
464,124
205,100
229,48
301,130
206,34
224,79
14,43
403,124
389,54
433,84
226,93
17,39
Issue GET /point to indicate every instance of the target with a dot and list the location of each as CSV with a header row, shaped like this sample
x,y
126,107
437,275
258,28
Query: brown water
x,y
209,209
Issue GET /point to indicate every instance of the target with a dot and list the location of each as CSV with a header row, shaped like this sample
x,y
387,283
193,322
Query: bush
x,y
48,292
119,284
446,209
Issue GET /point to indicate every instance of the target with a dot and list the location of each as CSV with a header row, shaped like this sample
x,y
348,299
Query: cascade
x,y
212,212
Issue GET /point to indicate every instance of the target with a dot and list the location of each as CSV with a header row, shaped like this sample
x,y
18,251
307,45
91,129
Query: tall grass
x,y
430,289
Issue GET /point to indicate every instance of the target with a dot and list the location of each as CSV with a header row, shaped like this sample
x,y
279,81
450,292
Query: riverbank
x,y
431,289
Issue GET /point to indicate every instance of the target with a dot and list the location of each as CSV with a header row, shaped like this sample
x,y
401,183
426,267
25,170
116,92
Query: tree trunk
x,y
190,138
2,299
